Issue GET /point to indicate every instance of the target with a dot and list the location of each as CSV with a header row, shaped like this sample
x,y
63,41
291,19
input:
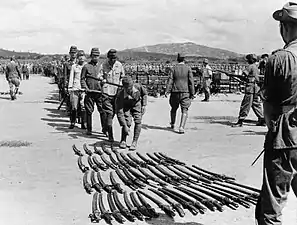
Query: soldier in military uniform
x,y
206,79
131,103
251,98
279,95
13,77
180,85
66,70
262,64
76,95
111,71
89,81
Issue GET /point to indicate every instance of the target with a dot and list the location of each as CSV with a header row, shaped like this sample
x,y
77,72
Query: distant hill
x,y
5,54
188,48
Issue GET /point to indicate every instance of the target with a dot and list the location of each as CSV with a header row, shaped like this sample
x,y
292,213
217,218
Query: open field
x,y
40,182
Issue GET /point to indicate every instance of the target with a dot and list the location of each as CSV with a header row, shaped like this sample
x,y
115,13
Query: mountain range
x,y
158,52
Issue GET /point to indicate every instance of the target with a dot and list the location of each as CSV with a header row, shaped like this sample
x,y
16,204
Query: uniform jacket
x,y
251,74
90,70
75,76
206,72
125,102
12,70
67,69
112,74
181,80
279,93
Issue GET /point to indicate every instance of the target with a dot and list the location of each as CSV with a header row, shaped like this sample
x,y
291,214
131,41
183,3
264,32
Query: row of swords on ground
x,y
169,183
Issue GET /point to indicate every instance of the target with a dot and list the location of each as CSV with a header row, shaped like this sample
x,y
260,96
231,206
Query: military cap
x,y
127,81
73,49
287,14
95,52
80,53
251,57
112,54
264,55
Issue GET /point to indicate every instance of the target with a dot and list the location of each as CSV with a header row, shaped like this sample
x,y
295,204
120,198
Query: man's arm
x,y
71,77
83,82
169,81
144,95
18,71
191,83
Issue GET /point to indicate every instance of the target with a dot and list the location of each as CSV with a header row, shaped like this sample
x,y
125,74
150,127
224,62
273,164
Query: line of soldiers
x,y
106,86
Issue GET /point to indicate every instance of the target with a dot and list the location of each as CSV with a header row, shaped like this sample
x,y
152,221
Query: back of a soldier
x,y
180,78
12,70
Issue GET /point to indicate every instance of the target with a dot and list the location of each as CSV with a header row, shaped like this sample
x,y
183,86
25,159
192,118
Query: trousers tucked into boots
x,y
172,118
183,120
83,119
72,119
89,123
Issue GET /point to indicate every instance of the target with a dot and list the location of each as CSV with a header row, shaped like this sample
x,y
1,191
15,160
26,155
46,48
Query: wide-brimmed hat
x,y
287,14
112,54
251,57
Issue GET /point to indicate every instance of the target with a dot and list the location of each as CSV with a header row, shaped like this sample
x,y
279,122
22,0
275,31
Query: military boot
x,y
11,95
72,119
172,118
137,130
89,124
183,120
110,134
123,143
261,122
83,120
239,123
103,124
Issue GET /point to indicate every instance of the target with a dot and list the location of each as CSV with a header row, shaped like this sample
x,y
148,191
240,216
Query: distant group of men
x,y
106,86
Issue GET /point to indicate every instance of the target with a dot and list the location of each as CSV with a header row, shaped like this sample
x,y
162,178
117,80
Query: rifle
x,y
239,78
98,79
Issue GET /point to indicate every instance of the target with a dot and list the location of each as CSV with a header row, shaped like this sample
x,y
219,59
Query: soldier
x,y
280,147
262,64
66,71
206,79
180,84
76,94
131,102
111,71
13,76
251,98
89,81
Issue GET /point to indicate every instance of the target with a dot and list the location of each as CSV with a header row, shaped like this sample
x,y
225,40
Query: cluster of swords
x,y
143,179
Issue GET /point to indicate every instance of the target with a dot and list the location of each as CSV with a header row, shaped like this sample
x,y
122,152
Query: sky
x,y
52,26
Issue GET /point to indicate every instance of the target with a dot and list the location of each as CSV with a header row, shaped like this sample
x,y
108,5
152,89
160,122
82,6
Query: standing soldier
x,y
111,71
279,96
181,87
66,70
76,94
89,82
131,102
206,79
251,98
13,76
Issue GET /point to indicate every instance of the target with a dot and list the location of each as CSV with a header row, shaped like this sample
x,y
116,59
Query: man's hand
x,y
143,109
126,130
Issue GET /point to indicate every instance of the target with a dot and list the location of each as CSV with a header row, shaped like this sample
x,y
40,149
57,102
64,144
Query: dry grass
x,y
15,144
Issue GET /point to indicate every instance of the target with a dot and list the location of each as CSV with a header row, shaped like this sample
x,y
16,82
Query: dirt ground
x,y
41,183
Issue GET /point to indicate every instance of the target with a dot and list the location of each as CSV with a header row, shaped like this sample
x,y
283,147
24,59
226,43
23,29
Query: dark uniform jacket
x,y
125,102
66,70
181,80
90,70
12,70
279,94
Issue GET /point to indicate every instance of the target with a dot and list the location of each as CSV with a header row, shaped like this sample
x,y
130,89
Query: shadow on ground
x,y
223,120
249,133
165,220
152,127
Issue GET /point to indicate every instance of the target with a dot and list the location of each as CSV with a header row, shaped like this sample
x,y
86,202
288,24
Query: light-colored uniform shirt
x,y
206,71
75,75
112,74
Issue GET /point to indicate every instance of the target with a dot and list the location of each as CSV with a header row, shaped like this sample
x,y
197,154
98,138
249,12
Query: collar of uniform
x,y
294,42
